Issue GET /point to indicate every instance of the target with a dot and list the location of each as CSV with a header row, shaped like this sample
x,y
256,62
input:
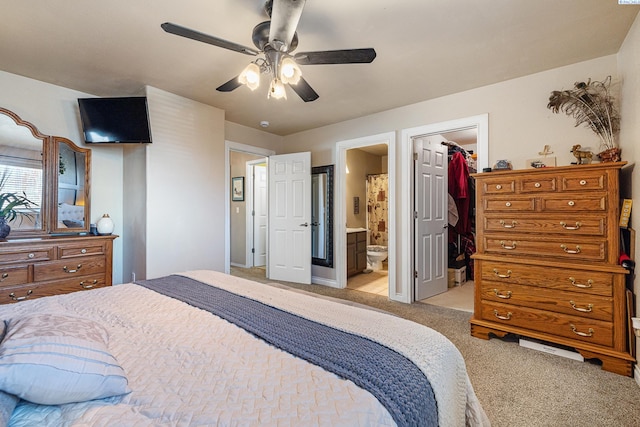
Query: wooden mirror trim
x,y
50,158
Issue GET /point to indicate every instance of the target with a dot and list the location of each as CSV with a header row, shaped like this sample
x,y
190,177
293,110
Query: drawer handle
x,y
66,270
498,187
589,308
505,225
571,251
502,276
507,317
30,256
583,182
83,251
537,185
581,285
504,246
508,204
571,203
568,227
15,298
582,334
499,294
88,286
4,276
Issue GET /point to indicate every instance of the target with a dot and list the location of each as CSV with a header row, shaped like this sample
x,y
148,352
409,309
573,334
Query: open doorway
x,y
239,238
430,276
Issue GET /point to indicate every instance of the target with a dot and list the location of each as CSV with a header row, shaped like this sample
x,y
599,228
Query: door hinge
x,y
253,250
415,214
253,213
415,274
415,156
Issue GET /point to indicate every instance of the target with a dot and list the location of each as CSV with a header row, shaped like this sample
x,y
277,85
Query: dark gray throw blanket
x,y
392,378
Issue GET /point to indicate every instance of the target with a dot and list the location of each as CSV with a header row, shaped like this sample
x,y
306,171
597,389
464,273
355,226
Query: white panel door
x,y
260,214
431,219
289,254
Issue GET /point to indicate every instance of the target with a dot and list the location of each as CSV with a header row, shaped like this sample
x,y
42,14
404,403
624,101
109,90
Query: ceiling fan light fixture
x,y
290,73
250,76
276,90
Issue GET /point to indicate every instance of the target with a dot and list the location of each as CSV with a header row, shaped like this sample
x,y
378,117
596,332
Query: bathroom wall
x,y
360,165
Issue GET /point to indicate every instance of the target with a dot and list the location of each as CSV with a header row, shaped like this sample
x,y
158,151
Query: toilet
x,y
376,254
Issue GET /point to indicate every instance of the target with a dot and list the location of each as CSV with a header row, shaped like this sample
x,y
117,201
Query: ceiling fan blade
x,y
205,38
285,15
304,90
232,84
346,56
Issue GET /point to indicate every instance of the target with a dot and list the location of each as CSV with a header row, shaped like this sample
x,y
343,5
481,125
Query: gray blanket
x,y
392,378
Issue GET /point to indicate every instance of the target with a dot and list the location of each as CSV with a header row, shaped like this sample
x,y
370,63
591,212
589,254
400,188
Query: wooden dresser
x,y
39,267
546,265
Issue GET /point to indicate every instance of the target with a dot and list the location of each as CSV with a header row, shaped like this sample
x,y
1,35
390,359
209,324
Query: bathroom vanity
x,y
356,251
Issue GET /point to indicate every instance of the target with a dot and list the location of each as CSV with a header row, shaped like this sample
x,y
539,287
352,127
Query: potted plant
x,y
592,105
10,203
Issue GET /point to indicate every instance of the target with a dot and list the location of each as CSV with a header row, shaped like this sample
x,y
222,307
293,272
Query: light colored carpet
x,y
517,386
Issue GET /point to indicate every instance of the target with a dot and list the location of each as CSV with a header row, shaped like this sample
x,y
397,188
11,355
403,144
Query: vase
x,y
105,225
5,229
610,155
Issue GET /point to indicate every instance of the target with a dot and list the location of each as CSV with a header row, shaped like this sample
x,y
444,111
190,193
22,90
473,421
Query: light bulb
x,y
276,90
289,71
250,76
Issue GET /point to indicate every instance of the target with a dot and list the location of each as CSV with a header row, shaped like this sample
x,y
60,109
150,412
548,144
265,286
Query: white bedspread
x,y
188,368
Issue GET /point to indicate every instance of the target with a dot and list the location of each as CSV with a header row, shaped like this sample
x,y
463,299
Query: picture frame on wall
x,y
237,189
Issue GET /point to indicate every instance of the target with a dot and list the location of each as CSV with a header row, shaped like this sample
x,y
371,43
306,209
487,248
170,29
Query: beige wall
x,y
629,64
360,164
238,215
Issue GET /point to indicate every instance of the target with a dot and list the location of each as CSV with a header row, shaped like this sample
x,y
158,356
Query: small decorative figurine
x,y
583,157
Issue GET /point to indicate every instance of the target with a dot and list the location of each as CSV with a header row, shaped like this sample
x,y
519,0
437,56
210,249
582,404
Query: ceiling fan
x,y
275,41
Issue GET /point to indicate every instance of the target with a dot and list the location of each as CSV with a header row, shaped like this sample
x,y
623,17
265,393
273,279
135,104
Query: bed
x,y
152,353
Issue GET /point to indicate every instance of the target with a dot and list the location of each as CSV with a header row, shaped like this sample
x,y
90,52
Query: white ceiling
x,y
426,49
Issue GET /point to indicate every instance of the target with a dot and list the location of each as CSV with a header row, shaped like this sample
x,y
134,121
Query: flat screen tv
x,y
115,120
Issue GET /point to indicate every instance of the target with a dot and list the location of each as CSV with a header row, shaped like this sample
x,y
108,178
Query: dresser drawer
x,y
27,255
574,303
584,181
76,250
539,184
67,269
512,204
573,327
11,276
561,279
501,185
574,204
31,291
557,224
583,250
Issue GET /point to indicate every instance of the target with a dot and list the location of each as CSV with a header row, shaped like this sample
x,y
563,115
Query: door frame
x,y
406,249
250,220
243,148
340,205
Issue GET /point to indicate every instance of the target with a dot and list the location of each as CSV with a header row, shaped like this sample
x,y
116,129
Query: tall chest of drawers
x,y
546,261
39,267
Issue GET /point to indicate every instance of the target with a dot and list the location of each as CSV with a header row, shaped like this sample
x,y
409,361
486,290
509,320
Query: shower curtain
x,y
377,208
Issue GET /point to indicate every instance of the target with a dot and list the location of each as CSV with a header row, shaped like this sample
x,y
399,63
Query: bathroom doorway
x,y
367,213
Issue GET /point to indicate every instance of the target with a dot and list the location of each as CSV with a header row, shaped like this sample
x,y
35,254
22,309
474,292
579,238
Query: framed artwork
x,y
237,189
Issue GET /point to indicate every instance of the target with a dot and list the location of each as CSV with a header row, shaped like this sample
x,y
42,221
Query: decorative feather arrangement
x,y
590,104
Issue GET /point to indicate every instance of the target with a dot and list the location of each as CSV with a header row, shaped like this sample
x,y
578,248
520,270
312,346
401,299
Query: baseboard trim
x,y
324,281
636,374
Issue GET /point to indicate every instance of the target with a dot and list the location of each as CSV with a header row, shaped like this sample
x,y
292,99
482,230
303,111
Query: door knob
x,y
306,224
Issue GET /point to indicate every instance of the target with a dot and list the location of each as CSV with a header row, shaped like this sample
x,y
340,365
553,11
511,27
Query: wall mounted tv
x,y
115,120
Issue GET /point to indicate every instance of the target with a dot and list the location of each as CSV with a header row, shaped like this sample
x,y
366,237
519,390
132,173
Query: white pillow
x,y
53,359
7,405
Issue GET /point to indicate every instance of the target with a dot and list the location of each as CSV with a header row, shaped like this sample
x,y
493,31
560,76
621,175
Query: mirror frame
x,y
327,261
50,169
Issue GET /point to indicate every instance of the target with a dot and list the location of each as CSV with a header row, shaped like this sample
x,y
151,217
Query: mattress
x,y
188,367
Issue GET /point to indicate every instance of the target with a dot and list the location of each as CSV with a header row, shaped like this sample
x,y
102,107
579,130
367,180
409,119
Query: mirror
x,y
51,171
322,215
